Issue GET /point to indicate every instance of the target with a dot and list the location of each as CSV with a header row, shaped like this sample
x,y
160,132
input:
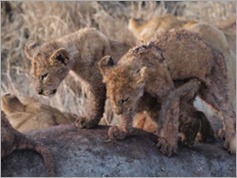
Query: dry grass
x,y
22,21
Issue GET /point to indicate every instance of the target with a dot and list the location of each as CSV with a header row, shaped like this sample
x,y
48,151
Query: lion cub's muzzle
x,y
54,91
118,111
47,92
40,92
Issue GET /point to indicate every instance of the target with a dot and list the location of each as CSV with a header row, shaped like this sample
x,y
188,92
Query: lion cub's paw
x,y
82,123
230,144
115,133
166,148
221,134
230,141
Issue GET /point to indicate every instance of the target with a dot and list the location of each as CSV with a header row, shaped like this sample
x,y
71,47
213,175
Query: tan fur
x,y
144,121
217,39
79,53
222,40
228,25
144,30
12,140
30,114
152,68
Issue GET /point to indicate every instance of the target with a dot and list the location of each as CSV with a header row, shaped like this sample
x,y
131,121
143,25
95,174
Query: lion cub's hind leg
x,y
216,93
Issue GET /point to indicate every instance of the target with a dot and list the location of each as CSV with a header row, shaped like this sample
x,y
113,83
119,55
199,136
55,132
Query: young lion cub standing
x,y
152,67
78,52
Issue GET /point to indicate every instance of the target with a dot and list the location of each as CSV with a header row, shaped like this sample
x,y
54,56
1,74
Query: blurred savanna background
x,y
41,21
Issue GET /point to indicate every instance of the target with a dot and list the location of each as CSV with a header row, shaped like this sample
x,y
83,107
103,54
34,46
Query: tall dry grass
x,y
41,21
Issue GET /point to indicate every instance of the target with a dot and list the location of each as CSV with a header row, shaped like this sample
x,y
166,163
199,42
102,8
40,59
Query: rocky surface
x,y
88,153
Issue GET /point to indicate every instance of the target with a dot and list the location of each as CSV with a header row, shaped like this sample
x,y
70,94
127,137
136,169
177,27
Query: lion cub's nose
x,y
54,91
40,92
118,111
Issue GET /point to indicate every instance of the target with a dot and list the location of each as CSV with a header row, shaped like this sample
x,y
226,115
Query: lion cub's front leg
x,y
96,96
169,116
167,142
123,130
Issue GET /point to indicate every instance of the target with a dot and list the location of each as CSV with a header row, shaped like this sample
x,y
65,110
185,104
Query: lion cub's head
x,y
124,84
50,65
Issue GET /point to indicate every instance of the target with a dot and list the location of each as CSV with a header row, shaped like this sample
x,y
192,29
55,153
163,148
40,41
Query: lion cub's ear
x,y
30,49
11,104
105,64
141,75
60,55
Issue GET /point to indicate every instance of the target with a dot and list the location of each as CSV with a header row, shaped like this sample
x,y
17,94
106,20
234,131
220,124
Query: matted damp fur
x,y
23,21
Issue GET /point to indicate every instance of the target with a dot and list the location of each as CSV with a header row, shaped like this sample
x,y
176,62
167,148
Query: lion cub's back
x,y
89,42
184,49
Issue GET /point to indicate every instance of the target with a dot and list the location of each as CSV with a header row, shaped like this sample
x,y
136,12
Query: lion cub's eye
x,y
42,77
124,100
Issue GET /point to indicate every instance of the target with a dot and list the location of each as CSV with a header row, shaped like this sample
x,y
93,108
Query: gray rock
x,y
87,153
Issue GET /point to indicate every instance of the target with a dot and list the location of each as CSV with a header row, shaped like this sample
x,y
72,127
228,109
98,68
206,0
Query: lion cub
x,y
78,52
152,67
144,30
30,114
12,140
222,38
